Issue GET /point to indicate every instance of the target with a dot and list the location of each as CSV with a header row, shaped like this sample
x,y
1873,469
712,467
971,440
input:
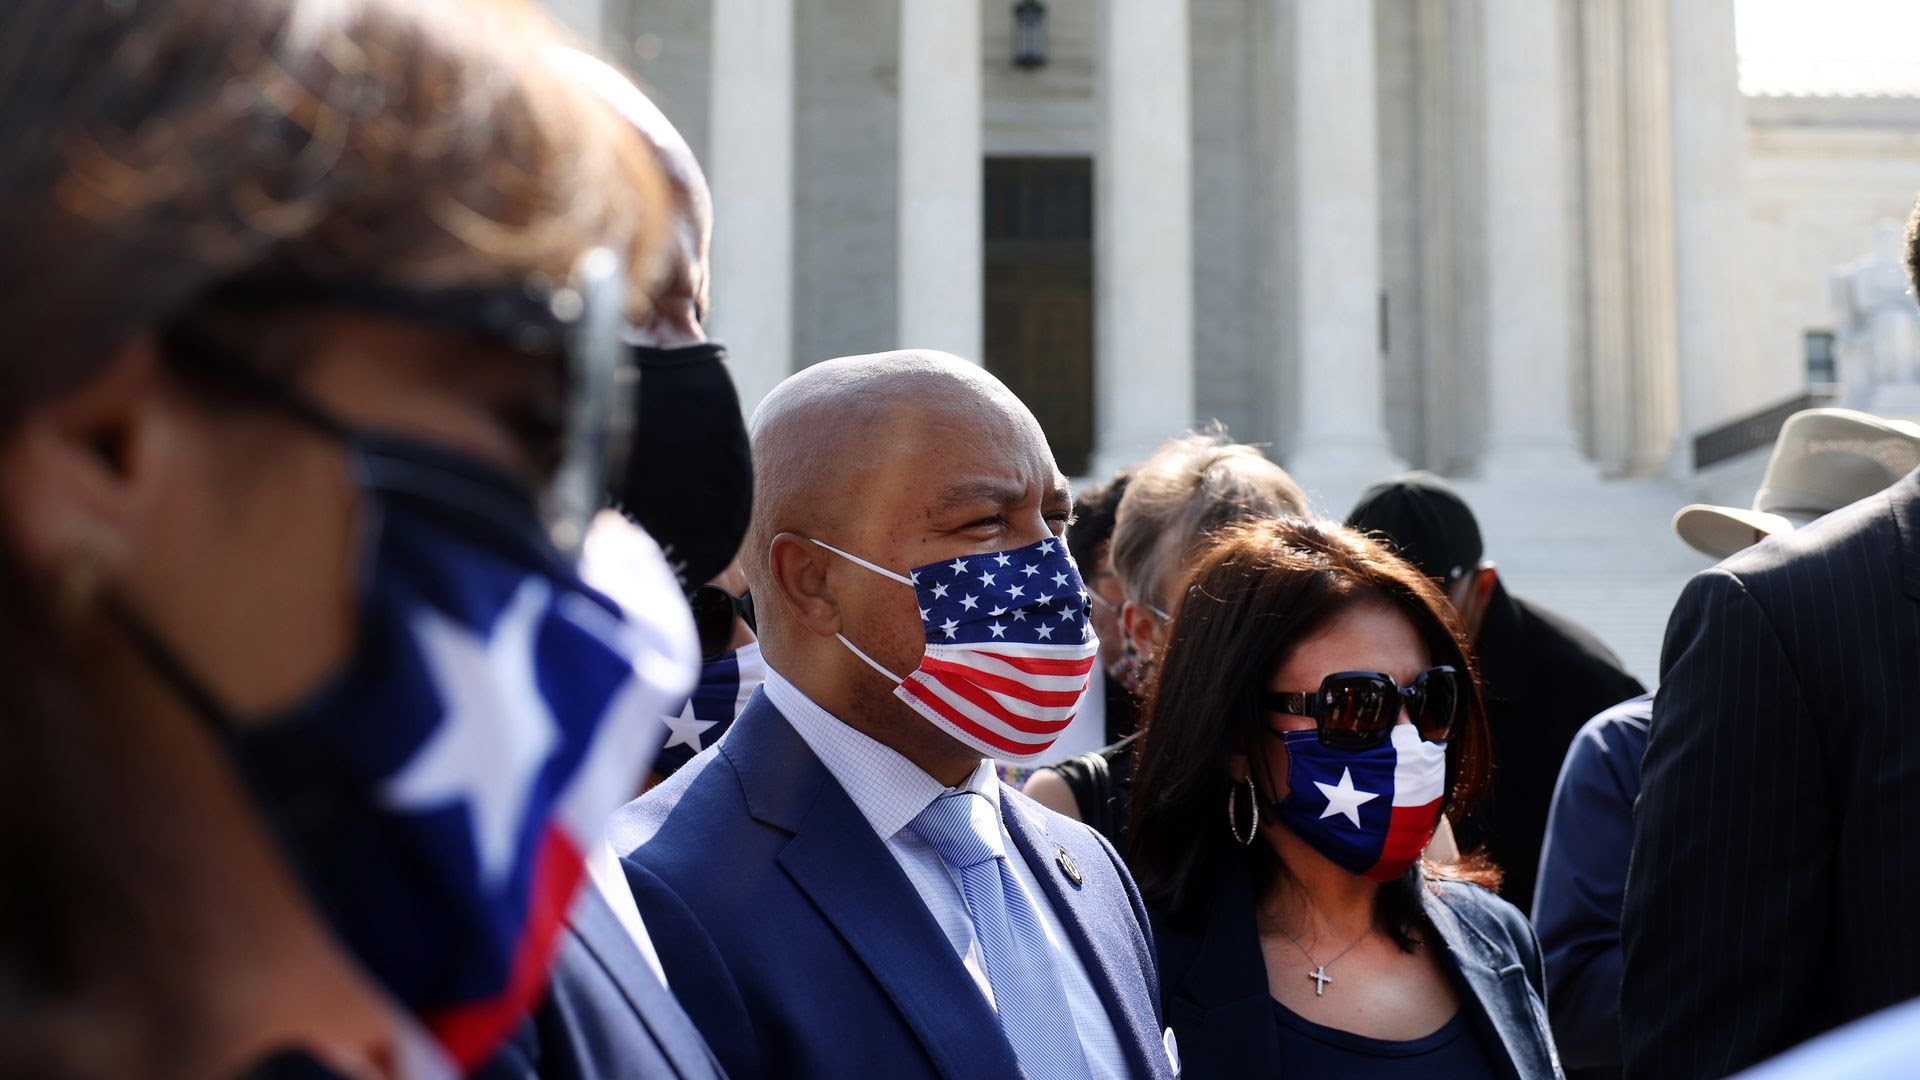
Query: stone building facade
x,y
1487,237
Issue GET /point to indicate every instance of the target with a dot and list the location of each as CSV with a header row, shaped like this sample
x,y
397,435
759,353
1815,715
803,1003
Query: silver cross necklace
x,y
1319,974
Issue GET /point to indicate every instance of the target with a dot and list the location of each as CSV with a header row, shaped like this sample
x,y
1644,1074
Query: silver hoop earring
x,y
1233,815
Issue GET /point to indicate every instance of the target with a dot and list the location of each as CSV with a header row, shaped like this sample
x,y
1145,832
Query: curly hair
x,y
1913,248
1189,488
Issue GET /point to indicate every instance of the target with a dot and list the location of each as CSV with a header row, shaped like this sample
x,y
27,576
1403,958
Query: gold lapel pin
x,y
1068,868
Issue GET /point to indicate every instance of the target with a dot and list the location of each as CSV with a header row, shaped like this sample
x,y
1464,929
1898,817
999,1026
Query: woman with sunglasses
x,y
1314,716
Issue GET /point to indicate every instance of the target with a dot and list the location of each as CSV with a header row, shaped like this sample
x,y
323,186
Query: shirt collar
x,y
889,790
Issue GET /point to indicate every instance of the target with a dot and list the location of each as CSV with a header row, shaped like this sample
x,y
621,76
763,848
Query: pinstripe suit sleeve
x,y
1727,891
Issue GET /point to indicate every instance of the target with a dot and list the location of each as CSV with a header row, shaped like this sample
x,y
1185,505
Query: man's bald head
x,y
820,437
819,430
900,460
684,281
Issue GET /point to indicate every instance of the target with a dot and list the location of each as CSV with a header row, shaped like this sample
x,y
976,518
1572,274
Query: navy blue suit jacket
x,y
1583,875
800,947
605,1013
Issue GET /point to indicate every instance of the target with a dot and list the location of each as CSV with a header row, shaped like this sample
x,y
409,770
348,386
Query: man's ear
x,y
799,569
1476,596
77,473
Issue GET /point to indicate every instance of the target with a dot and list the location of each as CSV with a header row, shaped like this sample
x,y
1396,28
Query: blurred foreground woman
x,y
309,386
1314,717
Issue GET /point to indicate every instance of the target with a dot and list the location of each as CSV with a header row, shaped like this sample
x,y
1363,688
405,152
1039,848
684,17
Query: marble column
x,y
751,173
1630,315
1143,238
1721,377
1529,317
940,177
1342,443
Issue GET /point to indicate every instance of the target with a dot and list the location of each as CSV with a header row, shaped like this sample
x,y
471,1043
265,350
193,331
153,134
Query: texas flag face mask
x,y
1009,647
1369,811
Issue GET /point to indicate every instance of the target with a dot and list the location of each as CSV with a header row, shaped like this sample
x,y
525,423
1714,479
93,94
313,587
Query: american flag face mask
x,y
1009,648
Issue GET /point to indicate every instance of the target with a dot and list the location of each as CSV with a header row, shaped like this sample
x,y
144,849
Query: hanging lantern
x,y
1029,34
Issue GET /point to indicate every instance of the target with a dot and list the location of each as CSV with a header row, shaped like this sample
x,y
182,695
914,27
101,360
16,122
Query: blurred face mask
x,y
689,477
438,794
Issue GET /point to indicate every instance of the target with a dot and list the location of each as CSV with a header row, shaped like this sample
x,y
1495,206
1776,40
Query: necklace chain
x,y
1320,977
1309,956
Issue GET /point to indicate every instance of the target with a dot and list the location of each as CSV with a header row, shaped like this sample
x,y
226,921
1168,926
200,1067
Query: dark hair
x,y
1094,510
1261,590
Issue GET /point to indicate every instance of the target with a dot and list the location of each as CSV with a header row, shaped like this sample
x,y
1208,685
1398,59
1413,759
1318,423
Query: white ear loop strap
x,y
871,662
884,572
881,570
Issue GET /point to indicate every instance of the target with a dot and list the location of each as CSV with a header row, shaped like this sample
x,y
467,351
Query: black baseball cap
x,y
1425,521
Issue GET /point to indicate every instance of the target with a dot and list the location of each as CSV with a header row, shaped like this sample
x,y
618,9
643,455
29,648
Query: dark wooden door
x,y
1039,295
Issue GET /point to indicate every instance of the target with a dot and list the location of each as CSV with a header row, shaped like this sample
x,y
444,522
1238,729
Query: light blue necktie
x,y
965,830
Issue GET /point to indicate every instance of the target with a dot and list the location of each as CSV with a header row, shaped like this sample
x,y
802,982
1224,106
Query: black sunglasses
x,y
1354,710
578,319
714,610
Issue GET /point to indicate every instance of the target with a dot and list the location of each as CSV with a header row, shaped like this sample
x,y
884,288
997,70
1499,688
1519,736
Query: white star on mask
x,y
1344,798
687,729
496,734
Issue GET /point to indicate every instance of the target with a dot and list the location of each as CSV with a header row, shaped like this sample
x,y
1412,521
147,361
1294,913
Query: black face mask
x,y
689,477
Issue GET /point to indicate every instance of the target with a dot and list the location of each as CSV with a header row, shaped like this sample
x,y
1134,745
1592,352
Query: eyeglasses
x,y
1093,594
714,610
578,319
1354,710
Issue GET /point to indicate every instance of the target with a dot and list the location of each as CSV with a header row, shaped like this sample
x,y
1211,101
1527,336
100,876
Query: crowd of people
x,y
414,665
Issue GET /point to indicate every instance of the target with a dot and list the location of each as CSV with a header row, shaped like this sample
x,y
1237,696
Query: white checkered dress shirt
x,y
890,792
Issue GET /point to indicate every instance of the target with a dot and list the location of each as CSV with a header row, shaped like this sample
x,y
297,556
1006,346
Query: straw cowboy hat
x,y
1823,460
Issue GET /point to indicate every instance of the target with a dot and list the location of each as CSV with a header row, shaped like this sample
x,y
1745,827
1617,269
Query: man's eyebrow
x,y
974,492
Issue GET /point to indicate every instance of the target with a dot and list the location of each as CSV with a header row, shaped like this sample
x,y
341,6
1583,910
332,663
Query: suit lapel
x,y
1131,1013
1227,979
835,858
1486,987
606,940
